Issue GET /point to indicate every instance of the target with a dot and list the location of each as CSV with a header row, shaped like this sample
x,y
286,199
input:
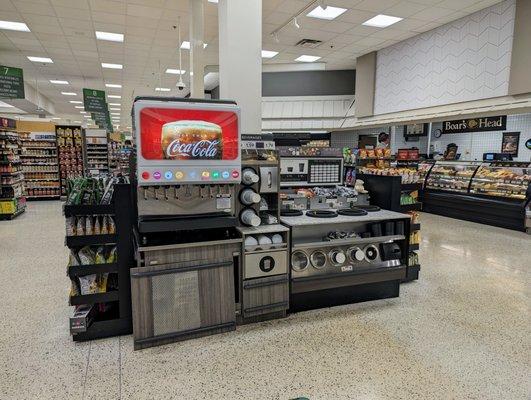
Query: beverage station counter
x,y
214,250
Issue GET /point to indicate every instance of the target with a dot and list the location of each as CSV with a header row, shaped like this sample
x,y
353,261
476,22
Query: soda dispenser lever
x,y
145,190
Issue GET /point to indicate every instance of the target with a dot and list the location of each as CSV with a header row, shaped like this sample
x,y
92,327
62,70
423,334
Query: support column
x,y
240,59
197,58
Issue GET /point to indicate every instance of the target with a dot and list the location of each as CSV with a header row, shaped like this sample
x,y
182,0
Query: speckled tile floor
x,y
461,332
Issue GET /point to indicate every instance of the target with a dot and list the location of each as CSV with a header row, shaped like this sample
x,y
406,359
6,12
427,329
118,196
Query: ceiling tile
x,y
405,9
114,19
375,5
431,13
81,4
356,16
34,8
136,10
74,13
113,7
48,29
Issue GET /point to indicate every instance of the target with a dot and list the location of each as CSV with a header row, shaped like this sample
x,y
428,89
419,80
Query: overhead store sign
x,y
476,125
11,83
94,100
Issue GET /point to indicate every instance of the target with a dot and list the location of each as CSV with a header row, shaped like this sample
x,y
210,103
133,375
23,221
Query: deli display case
x,y
451,176
499,179
495,193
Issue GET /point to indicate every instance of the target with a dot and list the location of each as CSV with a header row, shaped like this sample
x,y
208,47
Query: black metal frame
x,y
122,210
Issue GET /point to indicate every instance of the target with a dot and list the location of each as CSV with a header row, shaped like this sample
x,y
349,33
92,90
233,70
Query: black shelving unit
x,y
411,207
119,321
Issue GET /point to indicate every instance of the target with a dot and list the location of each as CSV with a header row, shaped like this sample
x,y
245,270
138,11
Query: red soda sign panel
x,y
180,134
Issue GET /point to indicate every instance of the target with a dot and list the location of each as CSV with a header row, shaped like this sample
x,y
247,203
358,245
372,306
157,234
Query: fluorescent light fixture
x,y
186,45
112,66
113,85
58,82
115,104
114,96
213,1
111,37
69,93
382,21
115,109
77,122
175,71
5,105
82,112
269,54
14,26
40,59
115,113
162,89
305,58
79,107
56,118
76,102
328,12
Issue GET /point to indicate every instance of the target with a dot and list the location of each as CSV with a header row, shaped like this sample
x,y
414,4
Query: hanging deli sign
x,y
94,100
11,83
475,125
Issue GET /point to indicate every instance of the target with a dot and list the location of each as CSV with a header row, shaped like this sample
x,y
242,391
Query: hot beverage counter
x,y
339,258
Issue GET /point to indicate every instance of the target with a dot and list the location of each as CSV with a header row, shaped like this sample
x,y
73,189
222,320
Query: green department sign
x,y
94,100
11,83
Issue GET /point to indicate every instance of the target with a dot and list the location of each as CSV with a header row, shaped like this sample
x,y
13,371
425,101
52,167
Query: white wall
x,y
467,59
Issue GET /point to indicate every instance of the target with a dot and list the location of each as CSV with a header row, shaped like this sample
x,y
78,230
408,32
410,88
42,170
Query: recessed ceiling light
x,y
56,118
162,89
14,26
114,96
75,101
111,37
382,21
79,107
115,109
186,45
305,58
115,113
58,82
83,112
213,1
40,59
175,71
112,66
69,93
115,104
113,85
328,13
269,54
5,105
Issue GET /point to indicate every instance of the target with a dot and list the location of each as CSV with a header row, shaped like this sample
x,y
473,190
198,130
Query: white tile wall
x,y
471,145
467,59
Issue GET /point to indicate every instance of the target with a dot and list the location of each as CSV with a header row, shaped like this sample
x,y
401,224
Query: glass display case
x,y
452,176
509,180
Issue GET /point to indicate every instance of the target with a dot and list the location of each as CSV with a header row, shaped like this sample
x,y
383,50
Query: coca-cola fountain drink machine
x,y
187,157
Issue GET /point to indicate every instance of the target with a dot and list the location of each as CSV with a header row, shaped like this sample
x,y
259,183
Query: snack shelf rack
x,y
12,200
119,323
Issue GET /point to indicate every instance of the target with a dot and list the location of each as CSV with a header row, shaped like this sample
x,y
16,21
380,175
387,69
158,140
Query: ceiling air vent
x,y
309,43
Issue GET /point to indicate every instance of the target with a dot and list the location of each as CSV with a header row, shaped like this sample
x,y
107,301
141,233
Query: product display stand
x,y
118,322
388,192
40,165
12,200
70,153
96,152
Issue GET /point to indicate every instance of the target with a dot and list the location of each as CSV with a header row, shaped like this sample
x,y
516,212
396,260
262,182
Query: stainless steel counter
x,y
382,215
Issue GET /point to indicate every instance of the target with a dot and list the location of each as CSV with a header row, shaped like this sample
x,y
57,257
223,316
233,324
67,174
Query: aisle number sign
x,y
94,100
11,83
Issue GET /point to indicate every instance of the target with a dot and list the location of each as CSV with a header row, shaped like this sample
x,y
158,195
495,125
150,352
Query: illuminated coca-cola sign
x,y
188,134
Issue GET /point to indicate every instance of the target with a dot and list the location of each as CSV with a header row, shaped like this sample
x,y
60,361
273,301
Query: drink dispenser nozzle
x,y
145,190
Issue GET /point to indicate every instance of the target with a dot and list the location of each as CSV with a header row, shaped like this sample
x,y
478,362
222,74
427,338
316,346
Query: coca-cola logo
x,y
202,148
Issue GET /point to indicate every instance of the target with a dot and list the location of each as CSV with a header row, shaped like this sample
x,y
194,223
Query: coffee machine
x,y
188,161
